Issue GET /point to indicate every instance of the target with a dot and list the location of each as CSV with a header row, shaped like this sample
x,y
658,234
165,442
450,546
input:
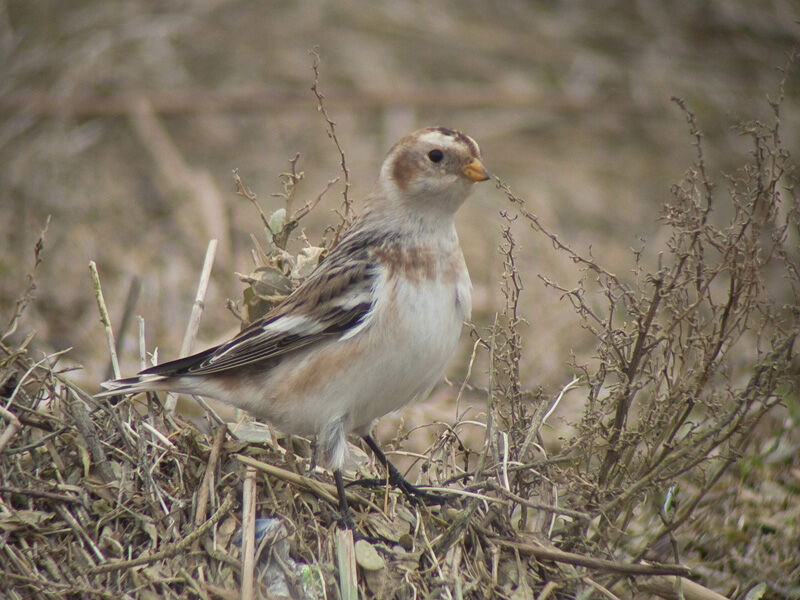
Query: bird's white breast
x,y
416,326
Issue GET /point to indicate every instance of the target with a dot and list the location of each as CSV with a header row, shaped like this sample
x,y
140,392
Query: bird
x,y
370,329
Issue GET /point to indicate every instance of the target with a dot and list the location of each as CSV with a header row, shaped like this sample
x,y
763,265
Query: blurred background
x,y
124,121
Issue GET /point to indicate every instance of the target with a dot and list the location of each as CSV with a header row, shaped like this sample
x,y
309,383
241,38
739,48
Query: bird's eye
x,y
436,155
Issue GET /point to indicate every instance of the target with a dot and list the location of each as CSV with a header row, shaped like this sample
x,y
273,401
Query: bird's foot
x,y
413,493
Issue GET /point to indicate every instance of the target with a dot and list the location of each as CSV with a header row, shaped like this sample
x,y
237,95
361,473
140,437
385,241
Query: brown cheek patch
x,y
414,264
403,170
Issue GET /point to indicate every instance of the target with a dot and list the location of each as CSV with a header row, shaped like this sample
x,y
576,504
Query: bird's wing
x,y
334,300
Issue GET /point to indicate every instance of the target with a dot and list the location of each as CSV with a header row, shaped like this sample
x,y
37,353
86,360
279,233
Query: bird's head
x,y
432,169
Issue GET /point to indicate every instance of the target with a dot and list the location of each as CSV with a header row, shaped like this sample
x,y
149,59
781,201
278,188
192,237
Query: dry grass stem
x,y
665,587
194,319
172,550
12,427
671,453
101,305
593,563
207,484
346,563
248,533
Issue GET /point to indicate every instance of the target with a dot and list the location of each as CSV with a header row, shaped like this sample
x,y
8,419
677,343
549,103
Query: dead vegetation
x,y
662,461
687,409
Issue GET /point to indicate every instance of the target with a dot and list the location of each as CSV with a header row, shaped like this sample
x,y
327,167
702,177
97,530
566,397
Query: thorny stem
x,y
761,385
709,363
511,289
346,210
536,225
27,295
626,397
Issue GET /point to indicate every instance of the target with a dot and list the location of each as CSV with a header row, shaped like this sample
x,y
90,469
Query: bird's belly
x,y
399,356
421,329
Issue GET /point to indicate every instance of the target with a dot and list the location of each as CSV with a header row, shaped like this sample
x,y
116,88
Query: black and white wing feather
x,y
333,301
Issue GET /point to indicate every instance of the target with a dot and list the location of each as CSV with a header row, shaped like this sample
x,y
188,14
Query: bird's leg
x,y
345,518
410,491
313,464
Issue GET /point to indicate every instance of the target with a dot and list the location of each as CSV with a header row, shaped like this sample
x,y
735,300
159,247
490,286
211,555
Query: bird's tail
x,y
146,382
171,376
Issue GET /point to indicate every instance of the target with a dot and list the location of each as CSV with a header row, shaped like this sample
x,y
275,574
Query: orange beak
x,y
475,171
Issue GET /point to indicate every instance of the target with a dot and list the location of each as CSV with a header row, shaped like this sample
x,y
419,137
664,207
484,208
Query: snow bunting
x,y
370,329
